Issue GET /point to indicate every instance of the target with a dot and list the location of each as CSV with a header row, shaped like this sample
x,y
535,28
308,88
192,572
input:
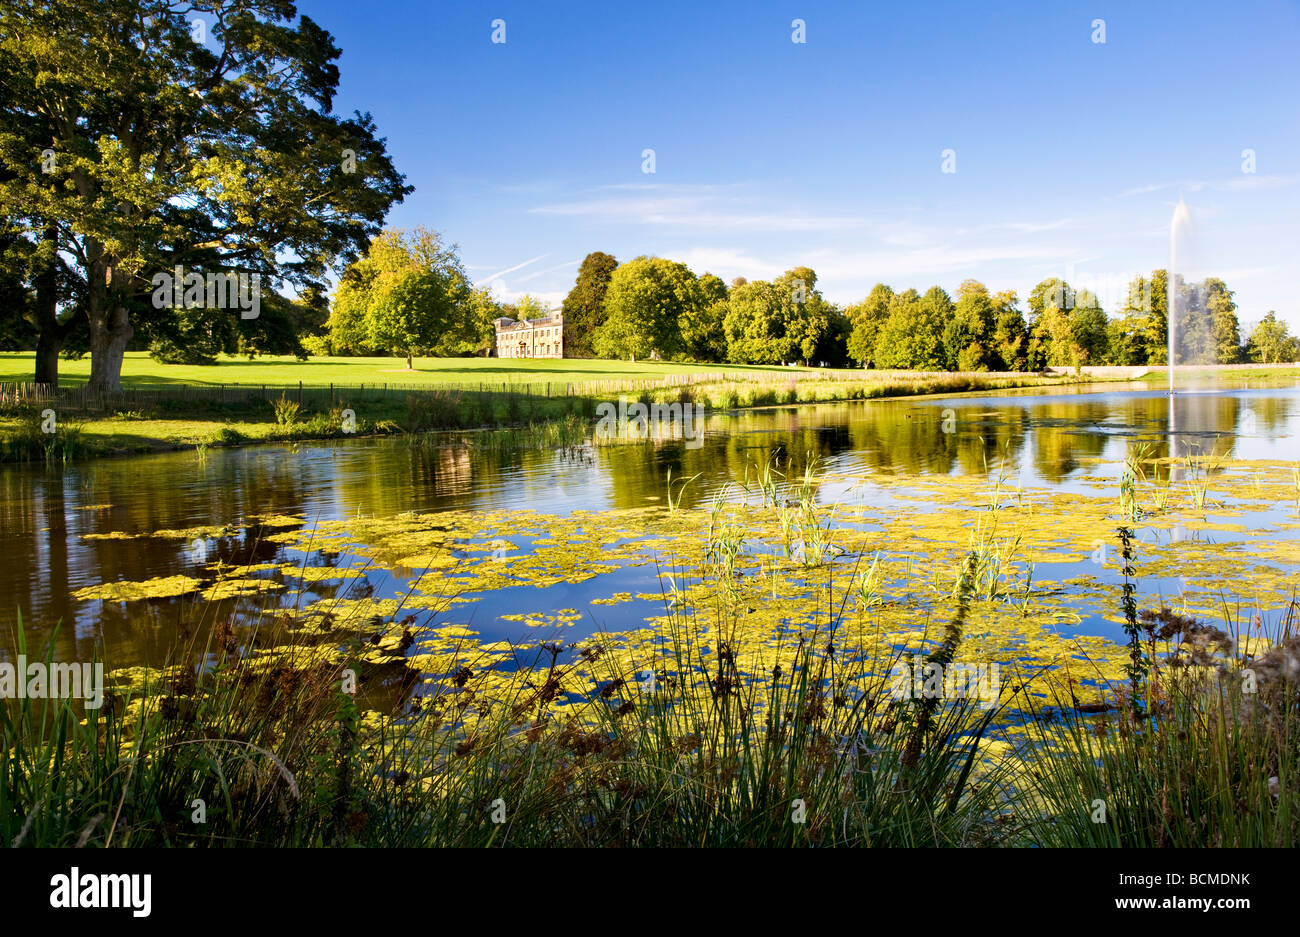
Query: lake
x,y
883,467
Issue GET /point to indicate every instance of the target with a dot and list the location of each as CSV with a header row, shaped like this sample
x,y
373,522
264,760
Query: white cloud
x,y
1243,181
546,270
500,273
691,207
841,274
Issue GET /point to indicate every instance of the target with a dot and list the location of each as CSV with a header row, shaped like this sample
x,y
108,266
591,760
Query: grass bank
x,y
286,371
1236,374
156,415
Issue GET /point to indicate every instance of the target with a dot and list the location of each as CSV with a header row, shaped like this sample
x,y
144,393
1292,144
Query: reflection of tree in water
x,y
1270,412
894,440
1064,435
1202,425
447,472
637,479
34,518
44,522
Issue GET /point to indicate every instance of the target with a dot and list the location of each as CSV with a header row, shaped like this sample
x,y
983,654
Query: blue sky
x,y
1070,155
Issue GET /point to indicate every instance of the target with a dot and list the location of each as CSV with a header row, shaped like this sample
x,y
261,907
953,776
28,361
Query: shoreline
x,y
150,436
129,433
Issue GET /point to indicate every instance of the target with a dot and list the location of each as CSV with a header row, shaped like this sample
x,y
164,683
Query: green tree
x,y
1271,342
833,346
1052,292
416,312
17,331
713,289
221,155
1223,317
807,316
1010,333
912,335
1051,338
1157,317
349,332
483,311
584,307
41,300
408,295
644,307
1193,333
1126,340
968,340
755,323
1069,326
776,322
1089,337
865,319
529,306
702,325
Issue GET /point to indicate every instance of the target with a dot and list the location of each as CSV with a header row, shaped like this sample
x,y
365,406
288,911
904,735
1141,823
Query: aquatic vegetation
x,y
674,504
1138,664
1199,467
159,588
768,478
868,584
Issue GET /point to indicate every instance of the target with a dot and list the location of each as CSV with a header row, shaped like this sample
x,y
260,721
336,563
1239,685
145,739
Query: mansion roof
x,y
506,324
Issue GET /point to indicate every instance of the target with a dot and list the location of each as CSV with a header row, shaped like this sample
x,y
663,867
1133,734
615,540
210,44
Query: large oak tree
x,y
142,141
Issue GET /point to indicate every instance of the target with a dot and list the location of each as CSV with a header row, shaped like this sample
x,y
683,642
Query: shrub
x,y
227,436
286,410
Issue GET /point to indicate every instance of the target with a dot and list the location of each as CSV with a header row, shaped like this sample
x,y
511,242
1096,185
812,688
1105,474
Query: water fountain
x,y
1190,328
1179,233
1180,230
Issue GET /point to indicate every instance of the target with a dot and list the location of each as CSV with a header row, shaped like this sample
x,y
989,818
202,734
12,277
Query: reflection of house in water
x,y
453,468
530,338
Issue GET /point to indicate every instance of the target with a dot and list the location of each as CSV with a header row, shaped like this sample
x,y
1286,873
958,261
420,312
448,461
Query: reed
x,y
690,748
1206,754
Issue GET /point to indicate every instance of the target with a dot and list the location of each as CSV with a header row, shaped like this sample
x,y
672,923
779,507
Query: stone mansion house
x,y
530,338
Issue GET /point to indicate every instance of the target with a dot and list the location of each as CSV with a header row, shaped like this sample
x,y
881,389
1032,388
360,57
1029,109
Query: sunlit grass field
x,y
139,370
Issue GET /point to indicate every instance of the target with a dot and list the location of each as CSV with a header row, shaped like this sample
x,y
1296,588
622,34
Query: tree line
x,y
410,296
650,306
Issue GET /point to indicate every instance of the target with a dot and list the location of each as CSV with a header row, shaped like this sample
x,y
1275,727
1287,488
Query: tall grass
x,y
1205,754
693,748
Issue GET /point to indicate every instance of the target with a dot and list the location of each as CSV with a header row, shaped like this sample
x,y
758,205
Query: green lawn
x,y
1159,374
141,371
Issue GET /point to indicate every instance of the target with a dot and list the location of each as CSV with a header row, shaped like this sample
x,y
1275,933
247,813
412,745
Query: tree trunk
x,y
409,366
47,358
110,330
50,334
